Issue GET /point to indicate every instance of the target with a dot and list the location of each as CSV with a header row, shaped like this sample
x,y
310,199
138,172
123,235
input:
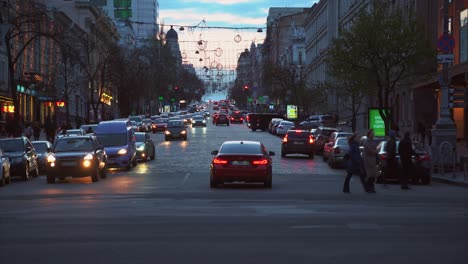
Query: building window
x,y
464,36
300,57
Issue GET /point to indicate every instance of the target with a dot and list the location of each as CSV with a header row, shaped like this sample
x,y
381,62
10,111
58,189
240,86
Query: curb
x,y
450,181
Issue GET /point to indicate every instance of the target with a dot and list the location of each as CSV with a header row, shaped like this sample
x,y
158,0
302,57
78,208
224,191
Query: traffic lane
x,y
277,233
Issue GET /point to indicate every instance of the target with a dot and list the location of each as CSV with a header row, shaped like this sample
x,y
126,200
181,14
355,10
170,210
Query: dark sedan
x,y
421,165
222,119
241,161
43,149
77,156
145,146
175,129
23,158
298,142
159,124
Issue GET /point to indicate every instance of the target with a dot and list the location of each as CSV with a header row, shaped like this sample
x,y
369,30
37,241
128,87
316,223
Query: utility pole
x,y
444,130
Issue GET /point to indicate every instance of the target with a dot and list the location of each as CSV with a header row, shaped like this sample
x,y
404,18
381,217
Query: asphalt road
x,y
163,211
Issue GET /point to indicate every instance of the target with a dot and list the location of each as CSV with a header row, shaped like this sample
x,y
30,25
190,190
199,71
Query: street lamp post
x,y
444,130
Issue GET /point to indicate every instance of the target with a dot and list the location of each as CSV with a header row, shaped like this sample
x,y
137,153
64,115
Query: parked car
x,y
43,149
298,142
283,127
320,120
5,177
23,158
337,152
145,146
260,120
241,161
421,165
77,156
327,148
273,122
175,129
321,137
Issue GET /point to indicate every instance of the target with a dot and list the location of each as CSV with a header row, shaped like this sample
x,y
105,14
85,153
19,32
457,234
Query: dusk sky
x,y
219,13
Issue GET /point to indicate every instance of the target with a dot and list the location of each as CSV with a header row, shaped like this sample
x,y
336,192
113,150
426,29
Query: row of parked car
x,y
110,144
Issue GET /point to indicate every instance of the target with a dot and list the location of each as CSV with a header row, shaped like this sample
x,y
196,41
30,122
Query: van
x,y
119,141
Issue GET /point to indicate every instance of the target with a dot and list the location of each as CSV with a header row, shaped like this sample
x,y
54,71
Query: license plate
x,y
69,163
298,143
239,162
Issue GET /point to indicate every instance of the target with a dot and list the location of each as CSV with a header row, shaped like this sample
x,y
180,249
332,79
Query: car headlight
x,y
168,132
141,148
183,132
51,159
204,121
122,152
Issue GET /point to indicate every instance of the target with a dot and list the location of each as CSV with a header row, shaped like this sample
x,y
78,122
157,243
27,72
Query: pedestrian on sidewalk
x,y
391,147
354,163
406,152
369,158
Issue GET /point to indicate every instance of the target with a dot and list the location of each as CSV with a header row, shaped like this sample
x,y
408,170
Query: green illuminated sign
x,y
161,98
291,112
249,99
172,99
376,122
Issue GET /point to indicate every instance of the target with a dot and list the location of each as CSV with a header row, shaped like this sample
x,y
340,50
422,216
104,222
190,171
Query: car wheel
x,y
311,155
152,157
185,138
166,138
26,173
95,175
146,157
103,172
50,179
283,153
134,162
268,183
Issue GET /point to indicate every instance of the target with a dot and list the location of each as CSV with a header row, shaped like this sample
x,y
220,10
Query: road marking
x,y
186,178
313,226
363,226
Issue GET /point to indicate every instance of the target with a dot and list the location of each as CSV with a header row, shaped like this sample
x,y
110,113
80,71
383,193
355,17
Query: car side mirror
x,y
271,153
214,152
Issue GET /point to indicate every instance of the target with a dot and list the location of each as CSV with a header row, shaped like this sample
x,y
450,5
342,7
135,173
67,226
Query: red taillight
x,y
424,157
311,140
219,161
241,119
285,139
260,162
337,150
383,157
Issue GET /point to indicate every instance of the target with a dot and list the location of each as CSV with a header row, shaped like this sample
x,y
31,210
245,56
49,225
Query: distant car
x,y
215,115
241,161
23,158
421,165
175,129
236,117
5,173
298,142
274,124
283,127
159,124
43,149
89,129
321,137
337,152
198,120
222,119
145,146
77,156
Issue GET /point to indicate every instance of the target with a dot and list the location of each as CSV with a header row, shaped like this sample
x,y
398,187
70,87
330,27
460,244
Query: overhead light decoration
x,y
259,30
197,52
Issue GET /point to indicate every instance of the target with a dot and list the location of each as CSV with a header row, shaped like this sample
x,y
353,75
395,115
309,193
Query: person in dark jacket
x,y
354,163
406,151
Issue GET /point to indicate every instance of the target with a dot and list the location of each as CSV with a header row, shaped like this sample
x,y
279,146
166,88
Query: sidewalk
x,y
458,178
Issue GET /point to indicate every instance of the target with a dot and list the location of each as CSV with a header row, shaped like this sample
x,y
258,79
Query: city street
x,y
164,211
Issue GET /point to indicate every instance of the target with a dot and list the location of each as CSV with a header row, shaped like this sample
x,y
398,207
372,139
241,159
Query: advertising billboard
x,y
376,122
291,112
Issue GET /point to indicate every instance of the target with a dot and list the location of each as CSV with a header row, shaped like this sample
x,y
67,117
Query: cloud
x,y
219,2
192,16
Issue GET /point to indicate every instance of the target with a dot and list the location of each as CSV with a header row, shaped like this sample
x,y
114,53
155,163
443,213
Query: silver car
x,y
283,127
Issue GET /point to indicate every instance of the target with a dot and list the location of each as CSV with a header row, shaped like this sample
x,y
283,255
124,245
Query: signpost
x,y
444,58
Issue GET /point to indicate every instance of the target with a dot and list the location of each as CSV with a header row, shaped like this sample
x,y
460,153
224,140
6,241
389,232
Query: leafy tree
x,y
381,51
26,26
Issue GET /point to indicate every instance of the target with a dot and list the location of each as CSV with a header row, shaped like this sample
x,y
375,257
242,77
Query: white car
x,y
283,127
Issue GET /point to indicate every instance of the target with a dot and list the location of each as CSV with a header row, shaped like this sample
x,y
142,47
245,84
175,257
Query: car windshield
x,y
240,149
73,144
298,134
140,137
175,124
40,147
108,140
12,145
198,118
342,141
327,132
161,121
